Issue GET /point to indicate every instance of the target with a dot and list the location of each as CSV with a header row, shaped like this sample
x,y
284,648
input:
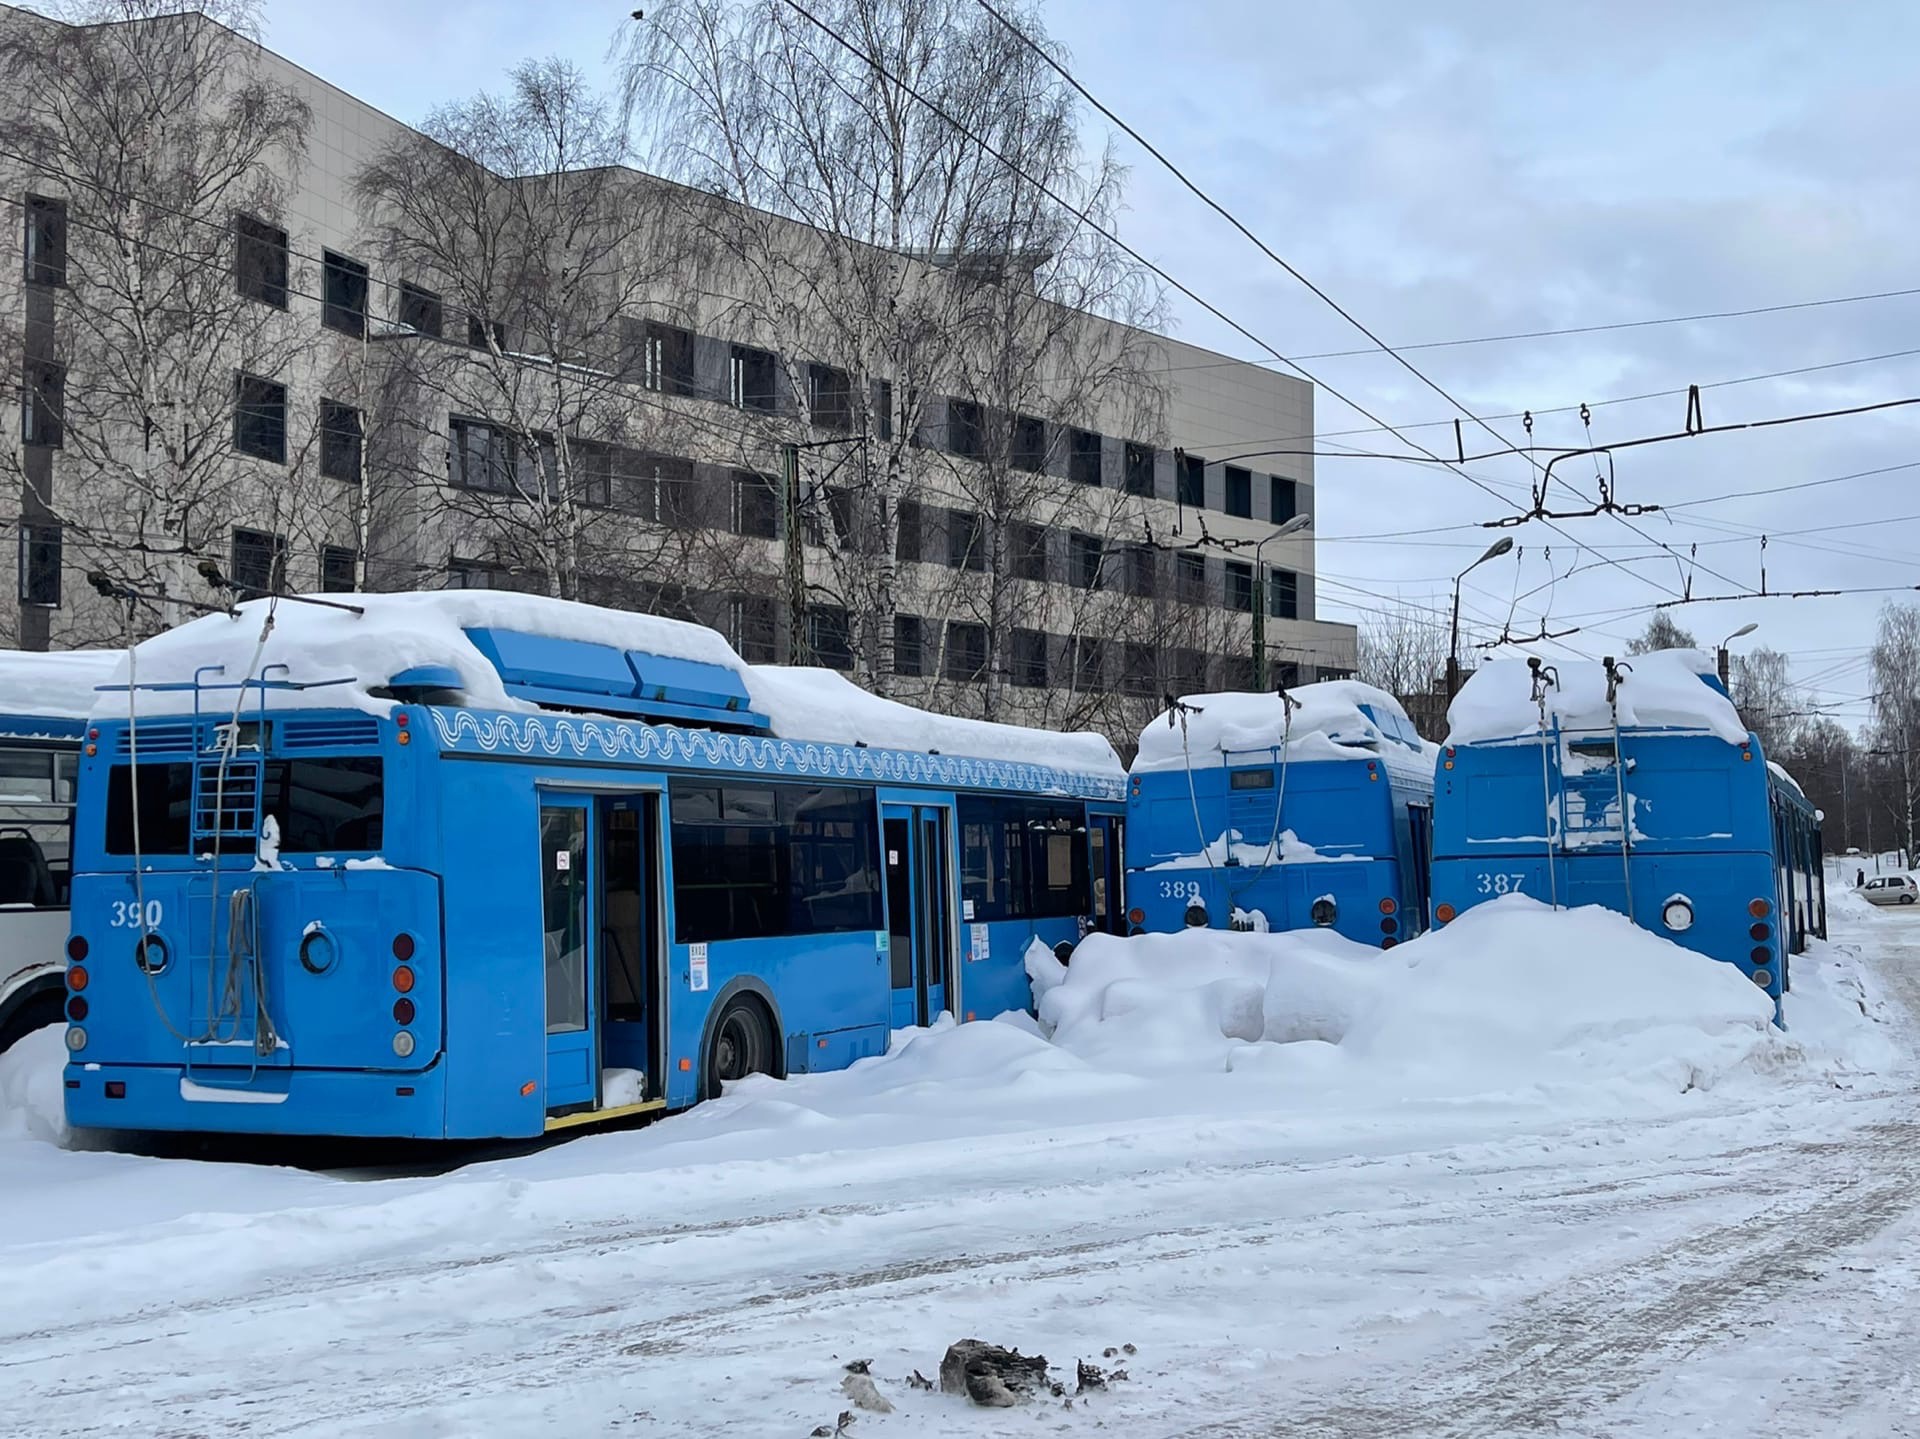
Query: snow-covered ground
x,y
1535,1174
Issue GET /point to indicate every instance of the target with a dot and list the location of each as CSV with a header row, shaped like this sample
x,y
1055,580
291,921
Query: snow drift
x,y
58,684
1512,996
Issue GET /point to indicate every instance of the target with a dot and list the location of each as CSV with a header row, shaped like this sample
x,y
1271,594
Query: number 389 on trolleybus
x,y
474,865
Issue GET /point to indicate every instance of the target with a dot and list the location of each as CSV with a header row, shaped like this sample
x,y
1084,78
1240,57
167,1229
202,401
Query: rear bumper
x,y
313,1102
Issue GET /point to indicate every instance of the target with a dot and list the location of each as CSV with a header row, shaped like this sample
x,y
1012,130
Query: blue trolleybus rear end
x,y
533,865
1307,810
1719,851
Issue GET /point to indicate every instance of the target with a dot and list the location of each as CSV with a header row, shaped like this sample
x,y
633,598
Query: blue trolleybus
x,y
1632,785
472,865
44,699
1307,807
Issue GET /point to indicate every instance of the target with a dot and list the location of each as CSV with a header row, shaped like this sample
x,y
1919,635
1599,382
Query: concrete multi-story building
x,y
362,442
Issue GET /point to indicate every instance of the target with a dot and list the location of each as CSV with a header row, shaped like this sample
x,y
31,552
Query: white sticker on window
x,y
893,856
563,859
697,966
966,909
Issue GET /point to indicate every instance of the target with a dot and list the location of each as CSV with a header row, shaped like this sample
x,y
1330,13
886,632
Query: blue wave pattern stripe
x,y
612,741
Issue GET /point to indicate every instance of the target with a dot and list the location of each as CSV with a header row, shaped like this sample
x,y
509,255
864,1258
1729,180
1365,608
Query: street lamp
x,y
1291,527
1498,548
1745,629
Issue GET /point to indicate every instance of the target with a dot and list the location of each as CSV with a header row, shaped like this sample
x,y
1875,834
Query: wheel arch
x,y
21,1009
754,990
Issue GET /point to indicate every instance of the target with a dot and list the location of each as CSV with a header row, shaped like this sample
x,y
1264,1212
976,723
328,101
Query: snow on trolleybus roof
x,y
1664,689
332,659
1332,719
54,685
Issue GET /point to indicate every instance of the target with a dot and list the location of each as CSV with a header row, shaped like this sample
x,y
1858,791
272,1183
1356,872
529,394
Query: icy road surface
x,y
1736,1262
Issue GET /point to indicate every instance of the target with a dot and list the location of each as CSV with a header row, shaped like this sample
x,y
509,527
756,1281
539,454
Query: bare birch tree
x,y
921,268
162,154
511,403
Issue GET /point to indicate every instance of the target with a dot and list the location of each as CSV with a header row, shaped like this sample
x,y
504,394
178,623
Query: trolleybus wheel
x,y
742,1045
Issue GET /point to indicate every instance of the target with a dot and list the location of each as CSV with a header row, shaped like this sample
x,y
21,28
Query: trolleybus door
x,y
919,900
573,1058
1105,873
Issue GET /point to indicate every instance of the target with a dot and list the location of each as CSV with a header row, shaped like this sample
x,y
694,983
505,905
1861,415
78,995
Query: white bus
x,y
44,700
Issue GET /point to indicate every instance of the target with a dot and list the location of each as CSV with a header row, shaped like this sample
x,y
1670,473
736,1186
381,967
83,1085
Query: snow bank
x,y
1328,723
1513,996
1667,689
398,631
32,1100
56,685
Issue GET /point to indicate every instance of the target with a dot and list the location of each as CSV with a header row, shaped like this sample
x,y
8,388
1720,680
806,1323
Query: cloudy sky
x,y
1484,169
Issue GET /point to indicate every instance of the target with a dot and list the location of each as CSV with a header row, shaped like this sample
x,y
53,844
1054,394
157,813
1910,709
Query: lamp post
x,y
1291,527
1745,629
1498,548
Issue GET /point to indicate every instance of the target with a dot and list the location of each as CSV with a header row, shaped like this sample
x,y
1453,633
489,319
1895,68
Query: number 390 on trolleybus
x,y
475,865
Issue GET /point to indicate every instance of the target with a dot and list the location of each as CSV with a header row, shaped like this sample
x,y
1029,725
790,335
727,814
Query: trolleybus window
x,y
751,860
320,805
36,826
1022,858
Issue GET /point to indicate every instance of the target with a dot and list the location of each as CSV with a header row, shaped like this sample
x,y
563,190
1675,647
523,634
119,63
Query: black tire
x,y
1906,899
741,1044
48,1007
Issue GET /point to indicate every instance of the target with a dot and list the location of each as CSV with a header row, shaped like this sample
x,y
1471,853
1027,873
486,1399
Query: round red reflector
x,y
403,979
1761,955
401,720
1389,942
1760,908
76,979
403,1011
1761,931
77,1008
403,947
1137,916
1388,906
77,948
1389,925
1443,912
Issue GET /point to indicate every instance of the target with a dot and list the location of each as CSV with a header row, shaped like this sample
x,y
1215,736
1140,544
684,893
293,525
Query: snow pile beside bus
x,y
1512,997
1333,719
32,1102
1667,689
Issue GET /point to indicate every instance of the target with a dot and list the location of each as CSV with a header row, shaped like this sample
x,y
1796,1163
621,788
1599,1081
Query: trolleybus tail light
x,y
77,1008
403,979
1387,905
77,948
116,1089
1389,925
1389,942
1760,908
1444,913
403,1044
1677,914
403,947
403,1011
76,979
76,1038
1136,916
1761,931
1763,977
1760,954
1324,911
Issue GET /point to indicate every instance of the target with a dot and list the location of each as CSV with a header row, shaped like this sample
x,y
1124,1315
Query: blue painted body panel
x,y
1709,822
1353,812
458,874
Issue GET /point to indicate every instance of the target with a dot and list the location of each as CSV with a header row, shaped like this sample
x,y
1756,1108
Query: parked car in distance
x,y
1891,889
